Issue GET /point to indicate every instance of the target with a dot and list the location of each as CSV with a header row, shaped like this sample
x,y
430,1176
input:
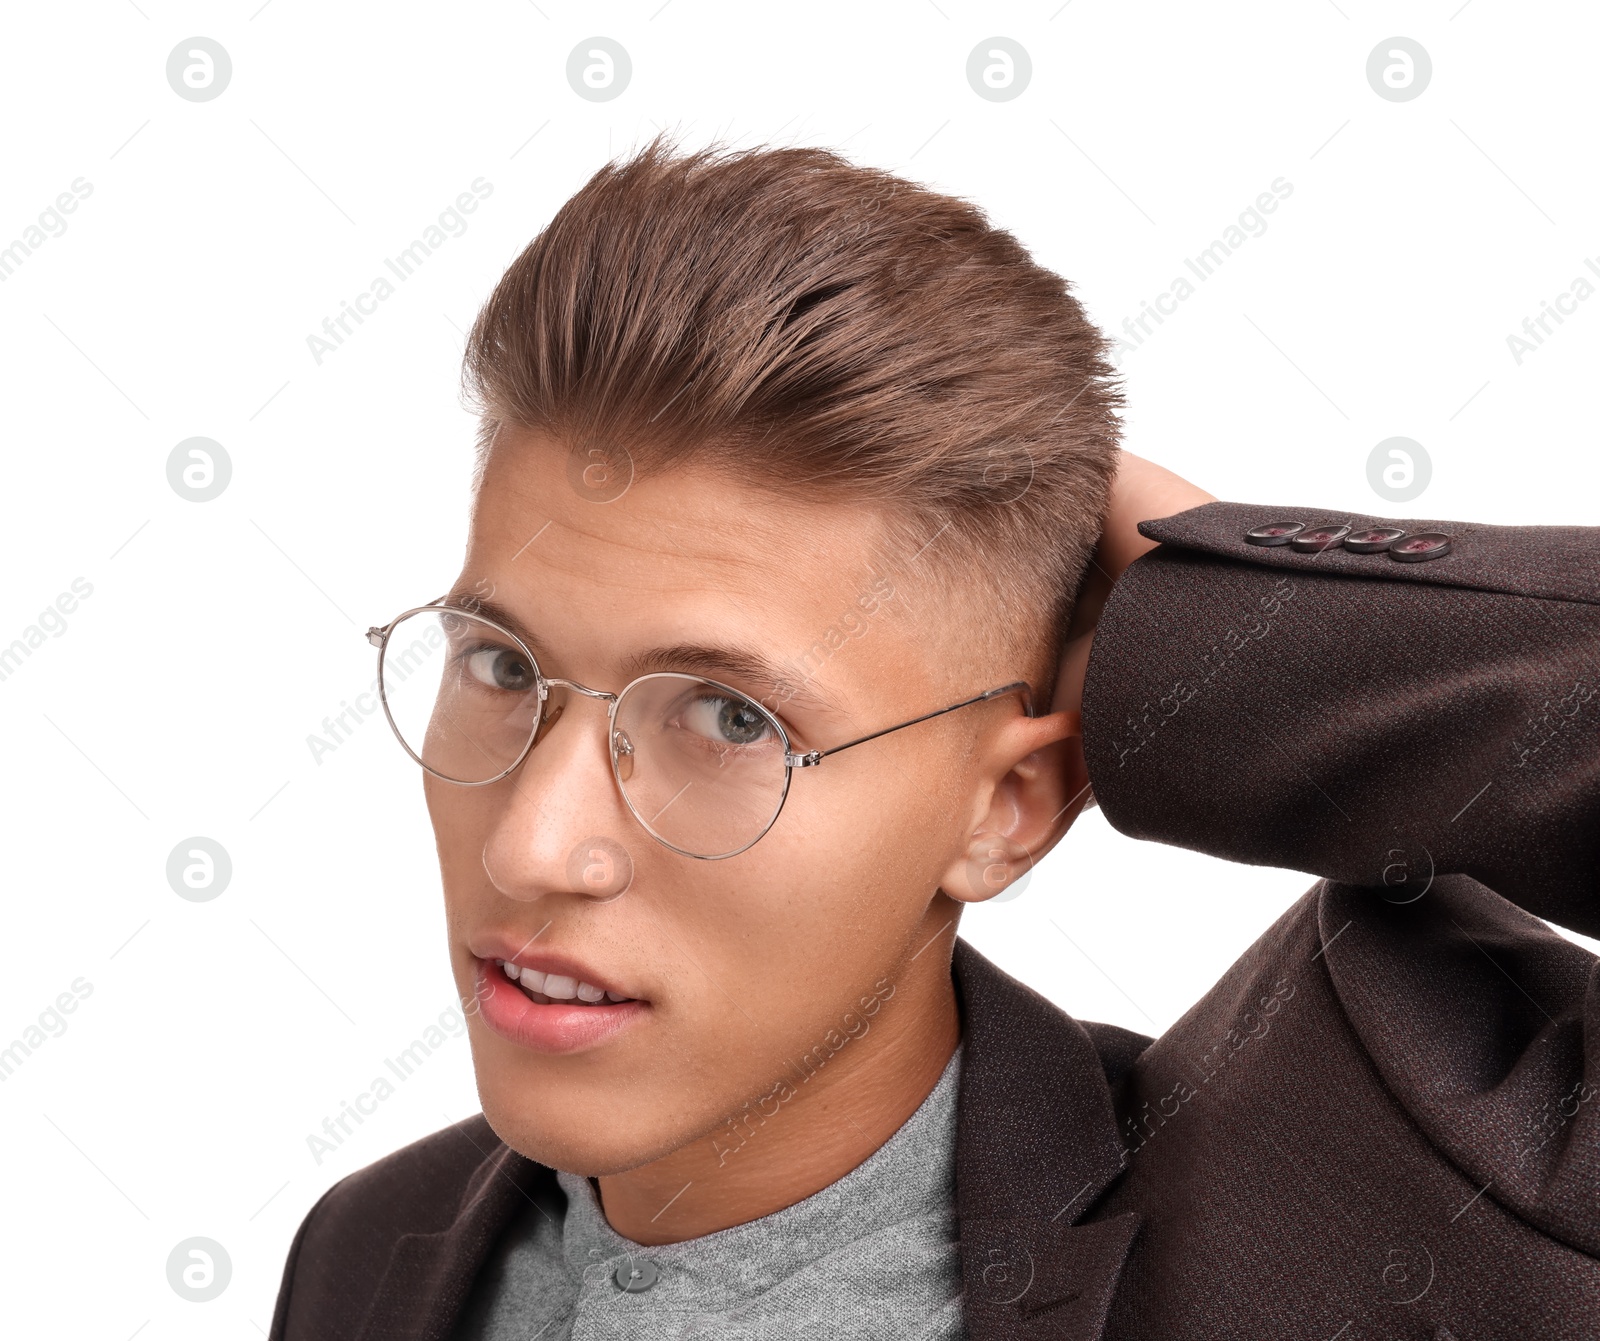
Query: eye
x,y
502,668
727,721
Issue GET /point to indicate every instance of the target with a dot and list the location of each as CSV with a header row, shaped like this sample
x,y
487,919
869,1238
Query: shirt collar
x,y
911,1175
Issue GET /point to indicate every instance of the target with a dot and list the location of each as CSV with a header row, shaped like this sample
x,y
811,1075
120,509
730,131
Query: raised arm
x,y
1349,715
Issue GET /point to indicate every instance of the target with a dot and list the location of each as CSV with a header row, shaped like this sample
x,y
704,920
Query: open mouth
x,y
557,989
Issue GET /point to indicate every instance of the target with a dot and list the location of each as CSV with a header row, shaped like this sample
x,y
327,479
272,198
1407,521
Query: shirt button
x,y
1421,547
1319,538
1274,533
1372,539
636,1276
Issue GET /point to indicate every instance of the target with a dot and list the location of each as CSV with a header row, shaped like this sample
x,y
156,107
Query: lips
x,y
551,1004
532,955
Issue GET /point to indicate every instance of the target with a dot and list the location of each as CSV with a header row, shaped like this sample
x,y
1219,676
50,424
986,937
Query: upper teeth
x,y
557,986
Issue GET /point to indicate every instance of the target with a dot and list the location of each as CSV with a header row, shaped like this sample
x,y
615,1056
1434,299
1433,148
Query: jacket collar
x,y
430,1276
1036,1145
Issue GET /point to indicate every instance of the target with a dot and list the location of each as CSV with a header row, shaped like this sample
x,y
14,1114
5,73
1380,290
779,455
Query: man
x,y
790,477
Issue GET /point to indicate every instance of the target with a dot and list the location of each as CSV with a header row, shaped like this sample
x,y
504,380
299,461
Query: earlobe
x,y
993,863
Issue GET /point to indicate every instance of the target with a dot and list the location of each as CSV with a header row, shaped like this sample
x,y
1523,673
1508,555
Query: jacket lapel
x,y
1036,1145
430,1275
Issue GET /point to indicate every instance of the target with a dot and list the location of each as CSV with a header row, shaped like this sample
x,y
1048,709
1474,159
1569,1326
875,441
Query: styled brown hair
x,y
825,330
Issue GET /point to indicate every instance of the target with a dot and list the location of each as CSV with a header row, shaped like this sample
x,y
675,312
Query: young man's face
x,y
738,968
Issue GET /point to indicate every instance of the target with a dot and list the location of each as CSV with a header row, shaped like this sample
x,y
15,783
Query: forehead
x,y
656,532
691,554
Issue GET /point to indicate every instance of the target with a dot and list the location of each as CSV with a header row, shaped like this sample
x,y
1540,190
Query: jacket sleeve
x,y
1371,721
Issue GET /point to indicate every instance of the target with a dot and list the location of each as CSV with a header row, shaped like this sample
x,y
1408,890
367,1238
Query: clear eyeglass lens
x,y
462,695
700,766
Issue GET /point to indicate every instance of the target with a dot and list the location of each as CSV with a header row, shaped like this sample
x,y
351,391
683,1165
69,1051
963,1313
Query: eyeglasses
x,y
704,768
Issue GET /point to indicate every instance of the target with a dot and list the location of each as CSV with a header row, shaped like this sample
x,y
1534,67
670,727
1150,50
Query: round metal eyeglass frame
x,y
378,636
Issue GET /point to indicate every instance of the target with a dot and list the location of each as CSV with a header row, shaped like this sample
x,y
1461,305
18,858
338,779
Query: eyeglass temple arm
x,y
810,758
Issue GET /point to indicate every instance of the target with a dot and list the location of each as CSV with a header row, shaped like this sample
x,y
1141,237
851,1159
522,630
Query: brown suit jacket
x,y
1382,1122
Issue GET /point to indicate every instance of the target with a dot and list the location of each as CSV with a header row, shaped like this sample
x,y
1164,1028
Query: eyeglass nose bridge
x,y
621,747
549,681
548,719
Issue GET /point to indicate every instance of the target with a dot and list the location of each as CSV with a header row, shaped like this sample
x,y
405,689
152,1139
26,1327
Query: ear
x,y
1039,784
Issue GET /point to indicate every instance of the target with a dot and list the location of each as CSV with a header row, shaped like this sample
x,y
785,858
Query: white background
x,y
219,635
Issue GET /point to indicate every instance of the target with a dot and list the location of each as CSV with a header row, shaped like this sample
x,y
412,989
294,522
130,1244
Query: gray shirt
x,y
874,1254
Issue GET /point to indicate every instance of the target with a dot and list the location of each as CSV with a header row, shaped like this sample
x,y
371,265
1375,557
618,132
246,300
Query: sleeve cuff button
x,y
1421,547
1319,538
1274,533
1372,539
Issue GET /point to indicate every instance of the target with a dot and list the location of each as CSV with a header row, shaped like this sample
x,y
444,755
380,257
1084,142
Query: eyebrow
x,y
725,661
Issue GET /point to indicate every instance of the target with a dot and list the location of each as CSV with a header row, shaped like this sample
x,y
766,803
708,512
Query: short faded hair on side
x,y
827,331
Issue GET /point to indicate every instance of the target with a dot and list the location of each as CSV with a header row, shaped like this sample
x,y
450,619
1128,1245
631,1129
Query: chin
x,y
572,1139
572,1118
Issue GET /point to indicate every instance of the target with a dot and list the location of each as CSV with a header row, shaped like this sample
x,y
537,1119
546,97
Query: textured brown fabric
x,y
1381,1122
1383,1118
1364,710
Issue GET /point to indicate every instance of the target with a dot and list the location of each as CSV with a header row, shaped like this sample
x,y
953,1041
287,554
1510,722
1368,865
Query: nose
x,y
559,809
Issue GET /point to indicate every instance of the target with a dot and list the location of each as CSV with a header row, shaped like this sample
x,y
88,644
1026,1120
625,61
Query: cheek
x,y
766,947
856,855
463,819
881,806
450,811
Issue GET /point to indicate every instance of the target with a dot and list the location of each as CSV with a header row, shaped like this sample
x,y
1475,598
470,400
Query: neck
x,y
826,1122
